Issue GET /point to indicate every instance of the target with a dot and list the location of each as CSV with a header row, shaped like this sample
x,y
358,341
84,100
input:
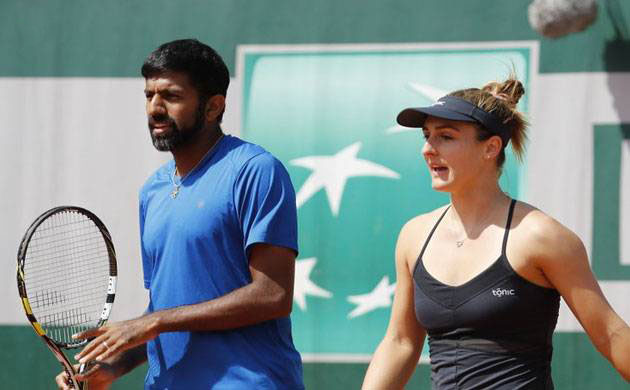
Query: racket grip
x,y
73,382
82,368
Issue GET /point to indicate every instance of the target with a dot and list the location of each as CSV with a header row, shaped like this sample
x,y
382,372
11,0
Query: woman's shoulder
x,y
415,231
420,225
536,230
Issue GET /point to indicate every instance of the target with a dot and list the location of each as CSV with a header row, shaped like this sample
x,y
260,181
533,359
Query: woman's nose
x,y
427,148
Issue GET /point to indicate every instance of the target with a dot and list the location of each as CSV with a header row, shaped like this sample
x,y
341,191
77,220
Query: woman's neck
x,y
479,205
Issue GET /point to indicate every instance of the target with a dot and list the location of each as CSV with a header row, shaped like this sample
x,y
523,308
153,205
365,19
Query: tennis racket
x,y
66,278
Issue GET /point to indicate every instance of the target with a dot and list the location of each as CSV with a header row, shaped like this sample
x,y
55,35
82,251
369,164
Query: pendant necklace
x,y
176,186
460,243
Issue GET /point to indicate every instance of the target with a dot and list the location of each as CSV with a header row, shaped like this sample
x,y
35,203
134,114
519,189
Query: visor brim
x,y
415,116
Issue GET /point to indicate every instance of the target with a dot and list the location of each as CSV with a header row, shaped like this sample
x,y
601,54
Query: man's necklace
x,y
177,185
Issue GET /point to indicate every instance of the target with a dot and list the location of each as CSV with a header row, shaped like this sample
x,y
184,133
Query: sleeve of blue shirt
x,y
145,261
265,202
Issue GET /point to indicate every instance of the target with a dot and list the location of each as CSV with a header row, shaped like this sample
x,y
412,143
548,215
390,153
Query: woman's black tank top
x,y
492,332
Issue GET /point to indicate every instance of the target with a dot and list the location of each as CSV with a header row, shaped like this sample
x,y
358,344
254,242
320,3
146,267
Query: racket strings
x,y
44,299
96,262
66,274
88,238
62,325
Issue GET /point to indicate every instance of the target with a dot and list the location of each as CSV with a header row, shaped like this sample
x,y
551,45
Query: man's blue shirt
x,y
195,248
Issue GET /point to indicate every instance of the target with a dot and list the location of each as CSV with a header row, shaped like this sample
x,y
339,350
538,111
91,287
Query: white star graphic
x,y
303,285
332,172
399,129
381,296
425,90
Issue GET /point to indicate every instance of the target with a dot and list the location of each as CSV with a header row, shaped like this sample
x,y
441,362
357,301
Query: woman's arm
x,y
398,353
564,262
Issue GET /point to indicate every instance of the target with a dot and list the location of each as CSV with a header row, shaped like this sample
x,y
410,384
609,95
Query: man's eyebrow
x,y
170,88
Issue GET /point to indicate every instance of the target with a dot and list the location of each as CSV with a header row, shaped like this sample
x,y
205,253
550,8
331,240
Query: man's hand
x,y
116,338
100,376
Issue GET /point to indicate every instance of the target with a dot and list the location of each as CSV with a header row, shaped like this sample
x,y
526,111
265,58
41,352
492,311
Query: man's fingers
x,y
88,334
99,349
110,348
85,371
62,381
89,371
92,368
92,350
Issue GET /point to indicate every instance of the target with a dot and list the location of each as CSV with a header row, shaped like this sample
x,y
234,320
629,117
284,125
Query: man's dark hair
x,y
201,63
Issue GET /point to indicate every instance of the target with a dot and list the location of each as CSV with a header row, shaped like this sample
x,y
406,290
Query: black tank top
x,y
492,332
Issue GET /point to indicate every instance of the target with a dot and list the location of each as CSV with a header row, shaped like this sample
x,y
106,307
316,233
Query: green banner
x,y
329,114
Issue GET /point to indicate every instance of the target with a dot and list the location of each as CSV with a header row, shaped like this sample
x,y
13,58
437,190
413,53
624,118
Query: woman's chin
x,y
440,185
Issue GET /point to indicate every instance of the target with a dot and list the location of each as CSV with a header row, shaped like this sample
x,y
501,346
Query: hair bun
x,y
510,90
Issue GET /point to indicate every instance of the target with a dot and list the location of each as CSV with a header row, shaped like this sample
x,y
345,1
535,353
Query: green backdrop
x,y
317,80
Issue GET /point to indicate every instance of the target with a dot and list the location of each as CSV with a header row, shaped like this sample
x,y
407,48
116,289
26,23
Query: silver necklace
x,y
177,185
460,243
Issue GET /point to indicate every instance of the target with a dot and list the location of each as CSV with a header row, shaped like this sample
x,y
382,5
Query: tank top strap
x,y
426,242
507,227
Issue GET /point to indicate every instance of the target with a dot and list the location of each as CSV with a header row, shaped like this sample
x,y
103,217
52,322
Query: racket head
x,y
66,274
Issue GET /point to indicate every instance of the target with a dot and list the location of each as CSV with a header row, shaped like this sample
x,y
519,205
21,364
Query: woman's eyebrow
x,y
440,127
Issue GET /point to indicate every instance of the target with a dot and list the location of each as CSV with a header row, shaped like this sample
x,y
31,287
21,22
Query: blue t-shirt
x,y
195,248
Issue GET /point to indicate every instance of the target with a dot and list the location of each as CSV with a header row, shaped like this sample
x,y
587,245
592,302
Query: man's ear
x,y
214,108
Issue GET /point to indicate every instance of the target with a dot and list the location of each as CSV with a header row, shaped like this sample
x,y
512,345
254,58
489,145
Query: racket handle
x,y
82,368
73,382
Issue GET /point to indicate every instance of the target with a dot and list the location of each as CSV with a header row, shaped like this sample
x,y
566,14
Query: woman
x,y
486,284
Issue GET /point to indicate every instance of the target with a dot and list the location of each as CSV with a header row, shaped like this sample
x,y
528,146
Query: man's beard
x,y
176,137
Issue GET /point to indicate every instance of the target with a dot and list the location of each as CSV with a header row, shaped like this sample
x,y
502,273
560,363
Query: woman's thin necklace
x,y
177,185
460,243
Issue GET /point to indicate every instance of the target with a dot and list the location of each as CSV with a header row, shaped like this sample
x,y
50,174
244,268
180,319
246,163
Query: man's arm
x,y
268,296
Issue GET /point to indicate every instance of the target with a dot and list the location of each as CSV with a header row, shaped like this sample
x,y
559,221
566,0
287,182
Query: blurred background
x,y
318,84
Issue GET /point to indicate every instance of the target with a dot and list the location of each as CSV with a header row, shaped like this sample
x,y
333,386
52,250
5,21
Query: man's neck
x,y
188,157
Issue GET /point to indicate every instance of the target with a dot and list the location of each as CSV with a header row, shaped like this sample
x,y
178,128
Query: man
x,y
219,241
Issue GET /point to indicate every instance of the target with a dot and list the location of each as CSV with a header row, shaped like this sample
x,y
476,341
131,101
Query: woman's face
x,y
453,154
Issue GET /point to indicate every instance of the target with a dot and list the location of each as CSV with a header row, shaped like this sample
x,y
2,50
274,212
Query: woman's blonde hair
x,y
500,100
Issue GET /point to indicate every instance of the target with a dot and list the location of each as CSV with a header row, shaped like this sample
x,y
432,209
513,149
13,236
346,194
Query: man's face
x,y
175,114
